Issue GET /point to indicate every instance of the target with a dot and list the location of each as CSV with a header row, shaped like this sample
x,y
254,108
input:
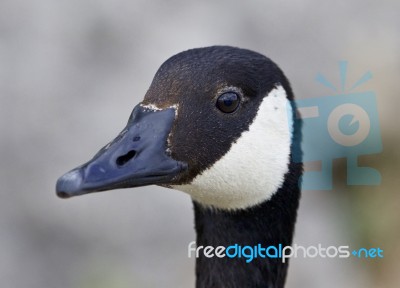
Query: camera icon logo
x,y
342,125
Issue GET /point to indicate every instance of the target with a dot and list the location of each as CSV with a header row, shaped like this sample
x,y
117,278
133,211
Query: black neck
x,y
270,223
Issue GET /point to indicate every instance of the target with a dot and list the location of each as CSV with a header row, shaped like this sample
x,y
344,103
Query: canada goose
x,y
218,124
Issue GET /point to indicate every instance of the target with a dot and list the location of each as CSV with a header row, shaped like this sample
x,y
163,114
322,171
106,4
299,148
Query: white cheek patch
x,y
255,166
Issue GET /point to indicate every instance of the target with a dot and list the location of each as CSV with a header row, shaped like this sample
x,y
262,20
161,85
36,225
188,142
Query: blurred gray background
x,y
70,73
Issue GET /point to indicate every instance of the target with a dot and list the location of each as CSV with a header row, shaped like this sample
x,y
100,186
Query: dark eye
x,y
228,102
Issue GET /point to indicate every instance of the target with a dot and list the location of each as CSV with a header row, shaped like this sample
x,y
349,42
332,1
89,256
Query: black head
x,y
199,104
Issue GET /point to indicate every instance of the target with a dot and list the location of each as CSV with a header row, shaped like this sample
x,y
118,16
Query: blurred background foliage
x,y
70,73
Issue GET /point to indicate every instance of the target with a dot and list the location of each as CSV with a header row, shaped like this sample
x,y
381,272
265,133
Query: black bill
x,y
137,157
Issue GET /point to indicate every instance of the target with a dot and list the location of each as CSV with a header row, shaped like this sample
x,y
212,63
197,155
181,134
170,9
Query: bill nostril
x,y
122,160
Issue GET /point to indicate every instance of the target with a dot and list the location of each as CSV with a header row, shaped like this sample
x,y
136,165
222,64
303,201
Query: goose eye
x,y
228,102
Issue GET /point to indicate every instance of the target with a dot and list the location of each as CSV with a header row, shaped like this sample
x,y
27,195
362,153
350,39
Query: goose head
x,y
215,123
